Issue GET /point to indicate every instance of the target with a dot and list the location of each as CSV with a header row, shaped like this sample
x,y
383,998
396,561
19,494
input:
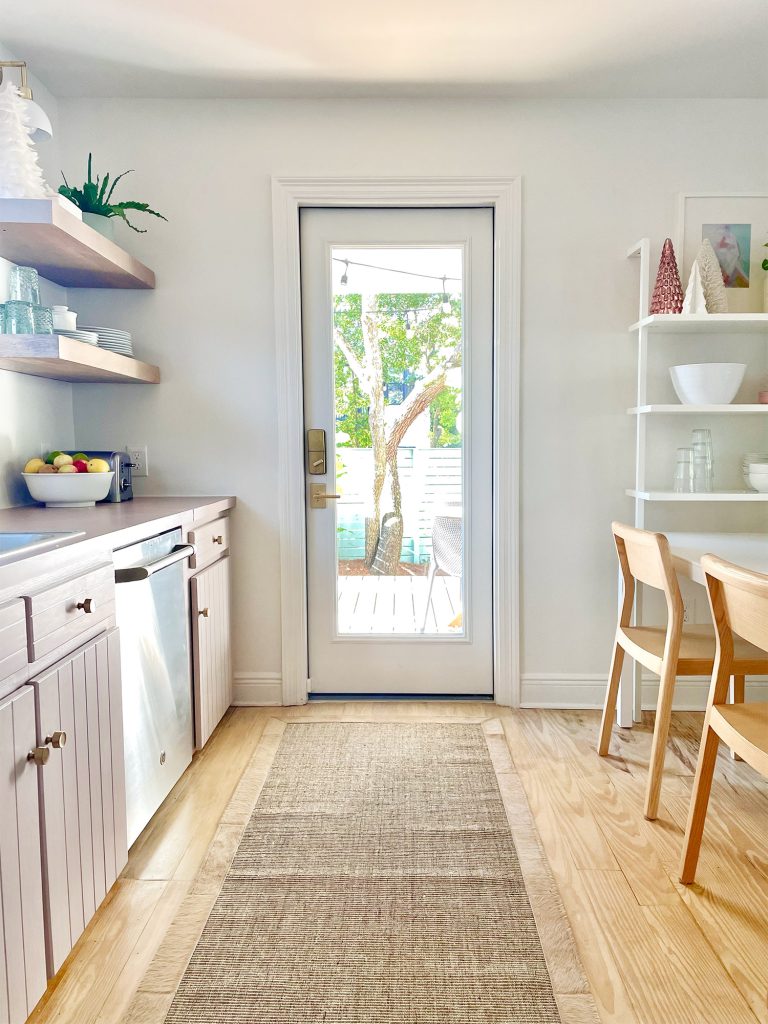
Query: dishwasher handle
x,y
143,572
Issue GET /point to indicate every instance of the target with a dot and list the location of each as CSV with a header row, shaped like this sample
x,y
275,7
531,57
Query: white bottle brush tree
x,y
20,174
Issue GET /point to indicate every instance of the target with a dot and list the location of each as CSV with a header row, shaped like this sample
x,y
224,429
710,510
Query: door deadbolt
x,y
316,452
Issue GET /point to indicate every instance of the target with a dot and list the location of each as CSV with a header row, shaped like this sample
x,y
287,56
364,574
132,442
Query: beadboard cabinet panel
x,y
211,647
22,942
83,789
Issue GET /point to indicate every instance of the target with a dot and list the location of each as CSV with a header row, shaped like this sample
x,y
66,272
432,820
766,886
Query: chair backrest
x,y
739,601
645,556
447,544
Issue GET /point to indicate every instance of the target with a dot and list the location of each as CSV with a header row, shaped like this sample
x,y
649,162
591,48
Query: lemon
x,y
98,466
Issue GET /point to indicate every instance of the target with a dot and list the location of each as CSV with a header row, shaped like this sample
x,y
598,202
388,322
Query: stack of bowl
x,y
755,468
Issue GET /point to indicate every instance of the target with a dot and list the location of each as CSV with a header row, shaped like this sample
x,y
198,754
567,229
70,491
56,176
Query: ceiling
x,y
231,48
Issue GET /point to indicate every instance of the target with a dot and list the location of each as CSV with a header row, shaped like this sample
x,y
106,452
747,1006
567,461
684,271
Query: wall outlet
x,y
139,459
689,610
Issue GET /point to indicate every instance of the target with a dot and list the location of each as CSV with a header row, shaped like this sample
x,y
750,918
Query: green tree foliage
x,y
405,360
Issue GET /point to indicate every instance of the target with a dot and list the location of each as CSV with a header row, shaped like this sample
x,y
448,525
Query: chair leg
x,y
702,786
660,732
609,708
738,685
431,574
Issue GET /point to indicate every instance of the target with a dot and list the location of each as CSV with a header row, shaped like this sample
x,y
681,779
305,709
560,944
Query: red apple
x,y
81,466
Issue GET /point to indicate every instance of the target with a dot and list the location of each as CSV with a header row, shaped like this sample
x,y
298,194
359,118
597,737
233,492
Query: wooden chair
x,y
739,602
671,651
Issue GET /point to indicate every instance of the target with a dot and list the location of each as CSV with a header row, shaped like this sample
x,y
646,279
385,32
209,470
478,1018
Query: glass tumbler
x,y
24,285
42,319
684,471
18,317
703,461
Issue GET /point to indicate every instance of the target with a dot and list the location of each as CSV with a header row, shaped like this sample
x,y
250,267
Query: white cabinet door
x,y
83,788
211,647
22,942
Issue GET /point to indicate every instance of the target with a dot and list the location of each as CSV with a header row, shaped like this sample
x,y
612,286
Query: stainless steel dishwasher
x,y
153,615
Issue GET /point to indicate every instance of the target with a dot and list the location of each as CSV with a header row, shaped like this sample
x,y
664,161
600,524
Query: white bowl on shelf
x,y
759,481
68,490
707,383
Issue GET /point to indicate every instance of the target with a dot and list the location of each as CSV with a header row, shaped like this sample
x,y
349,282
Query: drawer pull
x,y
88,606
219,539
205,612
39,755
57,739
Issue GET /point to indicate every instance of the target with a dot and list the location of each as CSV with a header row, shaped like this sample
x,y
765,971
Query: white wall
x,y
596,176
33,411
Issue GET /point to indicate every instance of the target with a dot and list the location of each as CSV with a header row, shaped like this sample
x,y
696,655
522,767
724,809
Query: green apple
x,y
79,457
51,456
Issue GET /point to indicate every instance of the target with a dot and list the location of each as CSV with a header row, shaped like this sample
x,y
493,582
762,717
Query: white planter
x,y
104,225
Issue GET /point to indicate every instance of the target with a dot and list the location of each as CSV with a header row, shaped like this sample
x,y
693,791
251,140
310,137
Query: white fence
x,y
430,478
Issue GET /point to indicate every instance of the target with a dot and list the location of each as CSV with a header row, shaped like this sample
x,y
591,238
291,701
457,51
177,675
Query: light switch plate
x,y
139,458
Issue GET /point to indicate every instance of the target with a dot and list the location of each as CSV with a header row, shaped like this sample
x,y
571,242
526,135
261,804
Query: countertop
x,y
101,529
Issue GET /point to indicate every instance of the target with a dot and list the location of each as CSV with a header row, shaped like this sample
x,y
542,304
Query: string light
x,y
446,304
391,270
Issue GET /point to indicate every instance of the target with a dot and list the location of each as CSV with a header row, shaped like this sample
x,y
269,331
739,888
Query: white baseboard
x,y
585,692
258,690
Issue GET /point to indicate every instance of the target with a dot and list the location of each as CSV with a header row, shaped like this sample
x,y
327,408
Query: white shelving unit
x,y
665,329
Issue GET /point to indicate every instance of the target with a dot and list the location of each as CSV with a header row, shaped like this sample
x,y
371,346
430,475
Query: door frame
x,y
503,196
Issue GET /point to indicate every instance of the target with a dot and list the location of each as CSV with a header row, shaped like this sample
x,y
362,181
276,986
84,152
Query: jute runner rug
x,y
377,881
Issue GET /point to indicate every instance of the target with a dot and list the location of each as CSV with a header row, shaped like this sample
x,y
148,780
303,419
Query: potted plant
x,y
96,203
764,265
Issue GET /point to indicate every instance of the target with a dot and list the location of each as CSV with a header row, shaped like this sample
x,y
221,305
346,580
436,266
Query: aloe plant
x,y
93,197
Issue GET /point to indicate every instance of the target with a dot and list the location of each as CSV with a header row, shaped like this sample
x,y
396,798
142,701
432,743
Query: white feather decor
x,y
20,174
694,301
711,278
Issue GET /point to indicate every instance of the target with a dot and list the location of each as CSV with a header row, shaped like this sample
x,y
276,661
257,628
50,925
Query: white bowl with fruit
x,y
68,481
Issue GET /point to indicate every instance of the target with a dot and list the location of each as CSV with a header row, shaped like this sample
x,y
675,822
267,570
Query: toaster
x,y
121,488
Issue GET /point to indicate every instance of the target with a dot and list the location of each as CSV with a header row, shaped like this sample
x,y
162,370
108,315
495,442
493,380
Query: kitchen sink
x,y
13,544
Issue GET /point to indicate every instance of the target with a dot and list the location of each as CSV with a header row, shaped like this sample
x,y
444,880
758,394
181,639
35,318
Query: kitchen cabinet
x,y
211,647
82,788
22,941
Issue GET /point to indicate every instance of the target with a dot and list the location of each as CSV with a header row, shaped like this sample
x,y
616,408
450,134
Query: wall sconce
x,y
38,119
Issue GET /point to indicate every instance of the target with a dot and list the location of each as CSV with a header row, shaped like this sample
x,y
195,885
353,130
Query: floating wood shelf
x,y
60,358
710,496
699,410
42,233
704,323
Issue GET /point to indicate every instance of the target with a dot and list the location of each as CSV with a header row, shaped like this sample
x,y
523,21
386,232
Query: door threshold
x,y
400,696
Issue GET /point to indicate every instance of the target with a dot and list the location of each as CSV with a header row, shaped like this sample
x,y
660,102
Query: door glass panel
x,y
398,324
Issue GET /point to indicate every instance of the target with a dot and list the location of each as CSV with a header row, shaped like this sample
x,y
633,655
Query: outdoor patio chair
x,y
446,554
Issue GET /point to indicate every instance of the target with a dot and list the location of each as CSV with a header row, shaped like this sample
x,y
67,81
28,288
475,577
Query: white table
x,y
749,550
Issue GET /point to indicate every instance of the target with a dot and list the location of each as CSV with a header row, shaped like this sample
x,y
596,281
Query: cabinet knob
x,y
219,539
87,606
39,755
57,739
205,612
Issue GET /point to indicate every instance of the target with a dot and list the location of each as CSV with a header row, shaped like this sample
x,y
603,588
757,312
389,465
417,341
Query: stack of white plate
x,y
113,341
89,337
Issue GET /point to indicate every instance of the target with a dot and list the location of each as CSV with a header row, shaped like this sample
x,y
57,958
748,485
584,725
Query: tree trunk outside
x,y
375,421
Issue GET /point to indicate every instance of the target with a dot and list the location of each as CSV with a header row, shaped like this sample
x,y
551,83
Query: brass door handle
x,y
88,606
318,496
39,755
57,739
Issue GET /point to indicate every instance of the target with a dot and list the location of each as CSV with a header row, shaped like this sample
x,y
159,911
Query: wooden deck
x,y
395,604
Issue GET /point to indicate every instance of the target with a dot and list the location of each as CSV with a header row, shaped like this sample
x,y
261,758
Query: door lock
x,y
318,496
316,452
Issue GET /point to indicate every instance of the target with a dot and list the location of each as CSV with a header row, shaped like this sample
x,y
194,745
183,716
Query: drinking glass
x,y
684,471
703,461
24,285
42,319
18,317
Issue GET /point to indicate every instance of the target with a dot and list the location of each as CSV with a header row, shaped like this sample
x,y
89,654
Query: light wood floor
x,y
655,952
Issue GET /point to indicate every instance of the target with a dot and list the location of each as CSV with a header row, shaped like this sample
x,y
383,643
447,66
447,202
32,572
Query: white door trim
x,y
289,195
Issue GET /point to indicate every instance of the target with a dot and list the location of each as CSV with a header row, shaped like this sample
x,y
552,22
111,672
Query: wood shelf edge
x,y
60,358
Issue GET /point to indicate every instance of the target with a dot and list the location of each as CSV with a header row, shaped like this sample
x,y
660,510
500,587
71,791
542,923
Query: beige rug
x,y
377,882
